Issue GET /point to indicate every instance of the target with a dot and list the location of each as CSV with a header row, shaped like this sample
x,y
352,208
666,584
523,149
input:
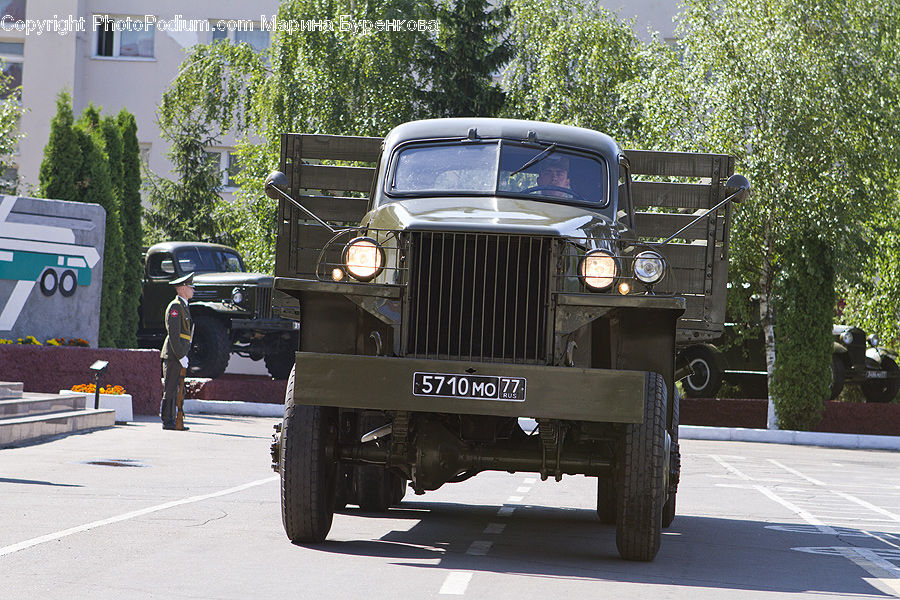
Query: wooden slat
x,y
679,164
344,179
337,209
662,225
671,195
339,147
682,281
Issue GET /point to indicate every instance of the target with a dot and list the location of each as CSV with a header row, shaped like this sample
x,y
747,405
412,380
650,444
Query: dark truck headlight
x,y
364,258
598,270
649,267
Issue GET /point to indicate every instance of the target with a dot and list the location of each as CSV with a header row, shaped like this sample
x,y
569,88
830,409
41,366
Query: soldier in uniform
x,y
179,329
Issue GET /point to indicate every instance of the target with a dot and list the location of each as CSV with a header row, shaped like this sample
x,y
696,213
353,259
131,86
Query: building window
x,y
11,64
227,163
15,9
124,37
256,38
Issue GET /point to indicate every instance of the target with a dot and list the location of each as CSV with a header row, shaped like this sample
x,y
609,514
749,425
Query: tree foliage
x,y
10,113
469,48
61,165
132,231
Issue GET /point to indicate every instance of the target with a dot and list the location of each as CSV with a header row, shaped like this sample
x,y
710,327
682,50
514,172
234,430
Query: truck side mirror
x,y
740,183
277,181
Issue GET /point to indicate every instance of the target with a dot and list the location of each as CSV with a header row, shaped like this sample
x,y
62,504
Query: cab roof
x,y
458,128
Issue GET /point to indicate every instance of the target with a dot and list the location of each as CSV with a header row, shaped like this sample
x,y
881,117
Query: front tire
x,y
838,374
308,469
674,464
210,348
641,465
882,390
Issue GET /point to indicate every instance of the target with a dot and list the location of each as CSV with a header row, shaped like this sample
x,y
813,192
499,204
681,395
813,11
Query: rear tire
x,y
641,465
674,465
308,469
838,374
708,372
377,488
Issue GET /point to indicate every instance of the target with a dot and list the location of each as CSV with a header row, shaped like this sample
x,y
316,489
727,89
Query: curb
x,y
795,438
232,407
685,432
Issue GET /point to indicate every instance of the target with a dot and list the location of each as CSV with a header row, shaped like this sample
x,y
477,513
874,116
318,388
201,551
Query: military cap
x,y
186,280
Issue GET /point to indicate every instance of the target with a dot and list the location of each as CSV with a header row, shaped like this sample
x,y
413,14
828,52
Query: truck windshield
x,y
208,260
503,168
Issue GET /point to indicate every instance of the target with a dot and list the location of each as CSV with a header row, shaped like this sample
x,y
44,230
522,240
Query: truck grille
x,y
263,302
478,297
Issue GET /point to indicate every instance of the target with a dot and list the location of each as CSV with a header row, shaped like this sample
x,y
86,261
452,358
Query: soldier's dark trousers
x,y
171,382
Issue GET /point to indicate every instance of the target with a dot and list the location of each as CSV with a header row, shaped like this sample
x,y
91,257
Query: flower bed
x,y
49,369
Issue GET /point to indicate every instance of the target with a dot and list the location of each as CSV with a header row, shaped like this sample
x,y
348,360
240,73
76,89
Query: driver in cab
x,y
553,172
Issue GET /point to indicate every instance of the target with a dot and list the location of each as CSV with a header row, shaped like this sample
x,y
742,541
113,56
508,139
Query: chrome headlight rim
x,y
647,256
606,281
377,268
237,296
847,337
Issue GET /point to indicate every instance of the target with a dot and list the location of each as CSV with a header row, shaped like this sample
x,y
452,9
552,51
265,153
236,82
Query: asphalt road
x,y
136,512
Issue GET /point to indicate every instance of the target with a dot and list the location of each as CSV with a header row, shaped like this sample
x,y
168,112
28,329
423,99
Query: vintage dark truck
x,y
231,308
472,287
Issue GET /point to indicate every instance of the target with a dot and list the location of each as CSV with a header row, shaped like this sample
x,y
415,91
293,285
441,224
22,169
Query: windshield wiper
x,y
537,157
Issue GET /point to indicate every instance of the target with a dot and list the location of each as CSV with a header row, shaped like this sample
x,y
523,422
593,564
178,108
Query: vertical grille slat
x,y
478,296
263,302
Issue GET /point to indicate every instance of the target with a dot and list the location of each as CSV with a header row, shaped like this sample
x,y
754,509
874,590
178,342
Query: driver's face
x,y
555,176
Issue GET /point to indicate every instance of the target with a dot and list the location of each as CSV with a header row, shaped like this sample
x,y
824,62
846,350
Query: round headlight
x,y
649,266
874,341
847,337
363,258
598,269
237,295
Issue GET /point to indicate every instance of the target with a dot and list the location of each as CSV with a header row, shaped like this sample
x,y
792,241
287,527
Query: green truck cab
x,y
497,269
231,308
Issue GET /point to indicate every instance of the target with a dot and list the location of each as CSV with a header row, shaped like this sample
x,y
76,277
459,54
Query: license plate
x,y
473,387
876,374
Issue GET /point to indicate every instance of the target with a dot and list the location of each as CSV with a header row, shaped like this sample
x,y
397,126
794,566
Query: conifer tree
x,y
61,167
132,232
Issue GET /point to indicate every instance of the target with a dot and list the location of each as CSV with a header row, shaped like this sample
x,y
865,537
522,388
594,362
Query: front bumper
x,y
386,383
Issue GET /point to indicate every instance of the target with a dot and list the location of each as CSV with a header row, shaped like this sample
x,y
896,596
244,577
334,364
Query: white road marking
x,y
795,472
131,515
731,469
523,490
515,498
803,514
530,480
456,583
479,548
874,561
506,511
494,528
868,505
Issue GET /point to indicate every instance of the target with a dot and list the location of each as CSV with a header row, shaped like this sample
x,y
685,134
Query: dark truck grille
x,y
263,302
478,296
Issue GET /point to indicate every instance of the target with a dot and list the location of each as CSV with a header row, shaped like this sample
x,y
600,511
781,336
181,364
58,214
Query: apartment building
x,y
124,53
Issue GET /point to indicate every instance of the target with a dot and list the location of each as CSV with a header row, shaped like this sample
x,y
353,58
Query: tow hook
x,y
276,447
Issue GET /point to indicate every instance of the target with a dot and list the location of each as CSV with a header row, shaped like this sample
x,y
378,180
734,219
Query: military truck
x,y
231,309
472,287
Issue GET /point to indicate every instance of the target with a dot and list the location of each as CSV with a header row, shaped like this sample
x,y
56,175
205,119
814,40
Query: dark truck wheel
x,y
641,466
307,468
279,364
882,390
674,464
707,377
377,488
838,374
210,348
606,500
